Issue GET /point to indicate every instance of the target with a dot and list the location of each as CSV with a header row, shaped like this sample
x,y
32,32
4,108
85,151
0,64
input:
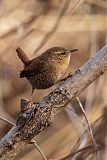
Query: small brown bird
x,y
47,69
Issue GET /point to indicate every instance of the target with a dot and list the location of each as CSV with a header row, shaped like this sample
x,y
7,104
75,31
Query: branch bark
x,y
34,118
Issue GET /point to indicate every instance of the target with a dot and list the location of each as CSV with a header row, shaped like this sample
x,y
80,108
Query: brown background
x,y
70,24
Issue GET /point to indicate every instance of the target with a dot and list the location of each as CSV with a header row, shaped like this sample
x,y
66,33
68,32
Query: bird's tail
x,y
22,55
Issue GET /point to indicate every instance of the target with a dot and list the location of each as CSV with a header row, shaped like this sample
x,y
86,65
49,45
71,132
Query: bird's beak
x,y
72,50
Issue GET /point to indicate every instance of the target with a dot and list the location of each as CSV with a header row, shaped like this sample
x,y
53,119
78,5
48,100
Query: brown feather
x,y
21,54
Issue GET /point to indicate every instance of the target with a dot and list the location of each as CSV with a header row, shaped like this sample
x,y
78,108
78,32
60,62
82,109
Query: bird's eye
x,y
63,53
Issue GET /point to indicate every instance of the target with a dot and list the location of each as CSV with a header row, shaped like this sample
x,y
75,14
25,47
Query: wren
x,y
47,69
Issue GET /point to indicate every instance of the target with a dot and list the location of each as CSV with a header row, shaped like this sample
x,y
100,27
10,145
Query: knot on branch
x,y
21,120
25,113
25,104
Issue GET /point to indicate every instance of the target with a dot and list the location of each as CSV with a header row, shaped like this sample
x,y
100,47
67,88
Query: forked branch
x,y
35,117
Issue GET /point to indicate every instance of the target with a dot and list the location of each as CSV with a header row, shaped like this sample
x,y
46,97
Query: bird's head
x,y
61,52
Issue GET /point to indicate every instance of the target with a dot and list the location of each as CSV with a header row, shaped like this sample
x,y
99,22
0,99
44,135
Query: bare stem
x,y
39,149
32,141
80,150
89,128
7,121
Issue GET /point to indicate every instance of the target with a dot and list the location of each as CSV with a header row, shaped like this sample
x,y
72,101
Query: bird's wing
x,y
26,73
36,66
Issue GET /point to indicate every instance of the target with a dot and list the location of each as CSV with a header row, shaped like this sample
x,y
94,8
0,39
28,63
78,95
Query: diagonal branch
x,y
34,118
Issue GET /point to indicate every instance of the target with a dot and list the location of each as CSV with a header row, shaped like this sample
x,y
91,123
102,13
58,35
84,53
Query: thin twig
x,y
50,33
75,119
97,125
32,141
72,154
39,149
75,5
89,128
6,120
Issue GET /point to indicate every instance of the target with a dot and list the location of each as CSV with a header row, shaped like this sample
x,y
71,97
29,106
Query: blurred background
x,y
36,25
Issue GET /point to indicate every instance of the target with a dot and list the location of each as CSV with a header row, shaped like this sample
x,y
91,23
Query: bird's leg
x,y
70,74
63,79
31,98
78,71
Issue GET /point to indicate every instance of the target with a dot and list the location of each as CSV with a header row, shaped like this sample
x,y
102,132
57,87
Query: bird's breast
x,y
52,73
